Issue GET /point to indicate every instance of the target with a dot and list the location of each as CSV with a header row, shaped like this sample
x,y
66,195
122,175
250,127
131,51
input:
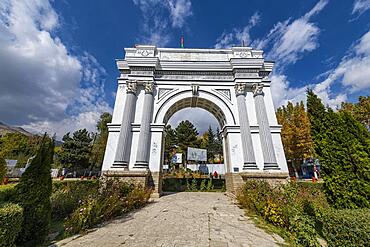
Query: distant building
x,y
11,171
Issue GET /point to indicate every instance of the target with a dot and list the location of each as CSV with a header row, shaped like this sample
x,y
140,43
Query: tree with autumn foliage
x,y
295,133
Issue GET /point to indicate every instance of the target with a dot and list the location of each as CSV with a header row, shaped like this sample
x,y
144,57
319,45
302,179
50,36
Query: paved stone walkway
x,y
181,219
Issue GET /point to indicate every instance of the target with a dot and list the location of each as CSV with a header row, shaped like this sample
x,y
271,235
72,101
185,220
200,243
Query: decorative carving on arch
x,y
162,92
224,92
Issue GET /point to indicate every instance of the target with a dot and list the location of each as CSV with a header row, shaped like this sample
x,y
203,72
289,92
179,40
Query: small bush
x,y
7,192
347,227
67,195
203,186
11,218
303,231
292,207
114,199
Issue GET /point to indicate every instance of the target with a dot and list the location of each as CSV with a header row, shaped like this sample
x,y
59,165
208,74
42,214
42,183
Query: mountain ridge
x,y
4,129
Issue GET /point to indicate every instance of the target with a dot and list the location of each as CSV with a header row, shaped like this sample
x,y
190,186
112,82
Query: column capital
x,y
131,86
240,88
148,87
257,89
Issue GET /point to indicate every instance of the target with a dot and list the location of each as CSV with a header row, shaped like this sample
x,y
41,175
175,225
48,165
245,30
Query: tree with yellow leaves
x,y
295,133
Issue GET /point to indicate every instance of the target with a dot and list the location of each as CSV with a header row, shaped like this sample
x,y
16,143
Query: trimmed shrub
x,y
347,227
33,194
11,218
7,192
114,199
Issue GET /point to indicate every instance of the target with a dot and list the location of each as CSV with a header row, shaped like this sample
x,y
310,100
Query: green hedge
x,y
6,192
192,184
349,227
11,218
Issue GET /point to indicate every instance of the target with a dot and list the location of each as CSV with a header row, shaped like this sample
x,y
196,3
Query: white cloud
x,y
360,6
282,92
179,11
42,84
290,40
159,16
352,74
199,117
238,35
354,69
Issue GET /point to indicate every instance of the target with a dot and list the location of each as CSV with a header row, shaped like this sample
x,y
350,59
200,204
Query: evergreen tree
x,y
76,150
100,140
211,147
343,146
33,194
170,141
186,136
219,149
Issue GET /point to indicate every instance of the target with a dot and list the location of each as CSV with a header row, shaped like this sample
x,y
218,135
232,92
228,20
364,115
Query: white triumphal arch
x,y
232,84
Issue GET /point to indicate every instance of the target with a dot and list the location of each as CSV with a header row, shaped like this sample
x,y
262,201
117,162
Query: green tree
x,y
212,145
33,194
100,140
186,136
76,150
18,146
343,146
170,141
219,149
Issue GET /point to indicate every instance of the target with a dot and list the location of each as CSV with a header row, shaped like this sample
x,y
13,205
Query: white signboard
x,y
197,154
177,158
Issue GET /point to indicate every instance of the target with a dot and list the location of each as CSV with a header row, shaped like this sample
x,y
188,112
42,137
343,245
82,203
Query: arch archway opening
x,y
195,102
202,113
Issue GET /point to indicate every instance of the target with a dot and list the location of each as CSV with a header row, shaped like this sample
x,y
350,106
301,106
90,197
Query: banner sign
x,y
177,158
197,154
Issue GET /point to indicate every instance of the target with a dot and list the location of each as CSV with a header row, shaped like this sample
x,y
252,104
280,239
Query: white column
x,y
143,150
264,129
245,131
122,156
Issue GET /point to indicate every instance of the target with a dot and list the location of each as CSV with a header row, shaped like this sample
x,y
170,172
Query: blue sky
x,y
57,58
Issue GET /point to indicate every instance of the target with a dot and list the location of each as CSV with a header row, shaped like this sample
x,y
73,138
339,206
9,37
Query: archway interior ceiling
x,y
196,102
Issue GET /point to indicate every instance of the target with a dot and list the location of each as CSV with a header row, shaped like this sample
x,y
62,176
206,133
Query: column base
x,y
271,166
250,166
235,181
120,164
141,165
